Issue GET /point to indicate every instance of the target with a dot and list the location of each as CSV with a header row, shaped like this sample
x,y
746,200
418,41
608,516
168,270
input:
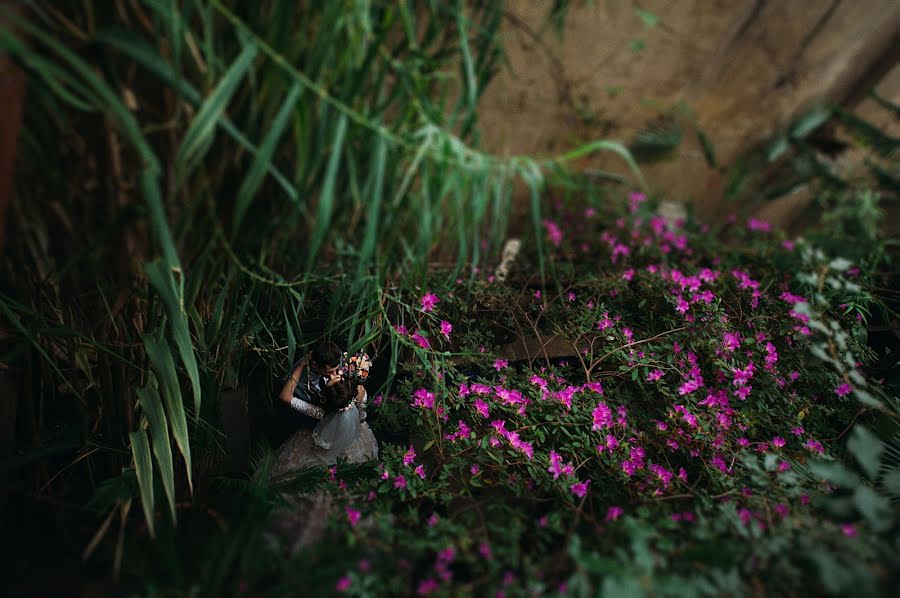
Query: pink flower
x,y
778,441
557,468
732,341
474,469
553,232
614,513
798,431
343,584
446,329
814,446
719,463
848,529
758,225
482,408
742,376
420,471
603,416
423,399
409,456
353,516
689,386
655,375
421,341
427,586
499,364
484,549
538,381
580,489
843,390
429,300
399,482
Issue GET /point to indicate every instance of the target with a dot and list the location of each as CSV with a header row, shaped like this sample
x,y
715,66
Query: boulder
x,y
299,452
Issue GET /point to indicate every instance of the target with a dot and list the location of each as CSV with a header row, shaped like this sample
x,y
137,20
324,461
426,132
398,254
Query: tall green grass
x,y
200,180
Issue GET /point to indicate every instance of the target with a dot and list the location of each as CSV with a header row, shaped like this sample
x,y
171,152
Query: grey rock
x,y
299,452
300,523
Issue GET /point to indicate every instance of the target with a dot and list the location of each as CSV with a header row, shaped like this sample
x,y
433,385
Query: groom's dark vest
x,y
306,390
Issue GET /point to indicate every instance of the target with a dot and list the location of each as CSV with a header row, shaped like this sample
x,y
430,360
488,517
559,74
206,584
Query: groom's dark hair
x,y
326,354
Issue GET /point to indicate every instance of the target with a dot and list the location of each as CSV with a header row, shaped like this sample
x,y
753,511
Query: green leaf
x,y
292,341
874,507
139,50
143,467
810,121
777,148
375,193
199,134
891,481
151,404
325,209
263,159
832,573
709,150
657,141
650,20
836,473
868,134
886,104
470,86
867,449
57,79
161,359
606,145
163,280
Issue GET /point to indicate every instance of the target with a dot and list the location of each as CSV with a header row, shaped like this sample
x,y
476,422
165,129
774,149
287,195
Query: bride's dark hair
x,y
339,395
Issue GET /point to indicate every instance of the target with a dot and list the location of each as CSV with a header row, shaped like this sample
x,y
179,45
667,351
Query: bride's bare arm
x,y
287,391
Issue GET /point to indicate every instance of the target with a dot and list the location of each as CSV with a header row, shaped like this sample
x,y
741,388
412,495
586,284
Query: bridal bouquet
x,y
357,365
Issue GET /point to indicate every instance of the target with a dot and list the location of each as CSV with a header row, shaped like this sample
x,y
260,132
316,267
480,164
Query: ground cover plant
x,y
691,443
640,407
686,447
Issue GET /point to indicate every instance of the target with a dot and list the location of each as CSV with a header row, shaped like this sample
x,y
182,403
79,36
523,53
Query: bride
x,y
340,424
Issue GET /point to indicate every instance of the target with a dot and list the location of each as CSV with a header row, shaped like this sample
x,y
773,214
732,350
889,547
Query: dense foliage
x,y
643,406
690,443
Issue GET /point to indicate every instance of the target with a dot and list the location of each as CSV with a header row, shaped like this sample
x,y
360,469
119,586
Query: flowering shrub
x,y
674,449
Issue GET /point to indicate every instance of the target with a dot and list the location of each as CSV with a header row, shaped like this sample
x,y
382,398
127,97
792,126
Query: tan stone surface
x,y
744,69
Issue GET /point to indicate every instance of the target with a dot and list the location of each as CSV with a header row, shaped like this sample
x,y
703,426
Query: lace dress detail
x,y
307,408
338,430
